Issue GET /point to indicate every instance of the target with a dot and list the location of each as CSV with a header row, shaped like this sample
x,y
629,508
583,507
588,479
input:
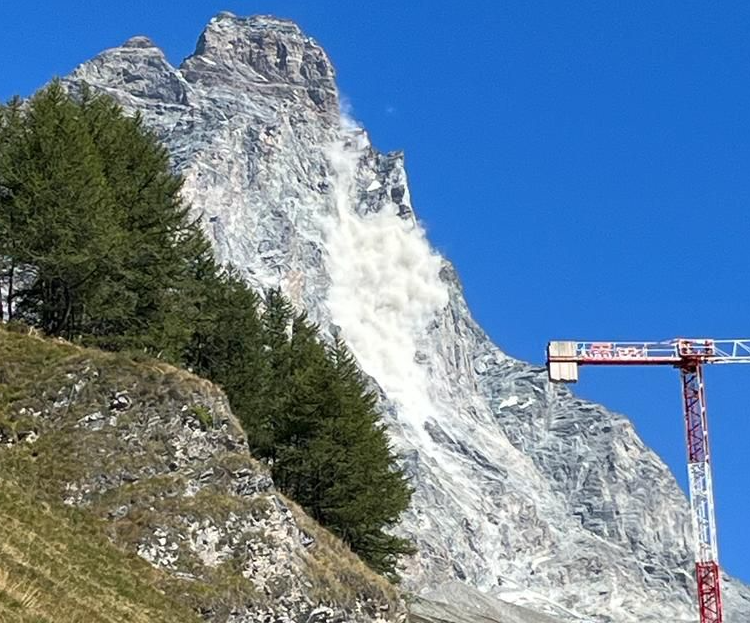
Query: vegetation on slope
x,y
56,562
96,247
129,472
57,567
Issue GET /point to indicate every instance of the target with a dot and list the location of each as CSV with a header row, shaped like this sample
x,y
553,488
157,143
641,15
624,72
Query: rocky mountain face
x,y
523,491
156,456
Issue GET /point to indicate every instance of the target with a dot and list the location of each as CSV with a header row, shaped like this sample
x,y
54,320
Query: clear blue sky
x,y
585,165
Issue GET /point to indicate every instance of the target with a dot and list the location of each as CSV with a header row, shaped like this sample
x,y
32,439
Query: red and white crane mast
x,y
688,356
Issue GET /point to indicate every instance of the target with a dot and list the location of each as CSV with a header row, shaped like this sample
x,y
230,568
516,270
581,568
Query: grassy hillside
x,y
88,478
57,566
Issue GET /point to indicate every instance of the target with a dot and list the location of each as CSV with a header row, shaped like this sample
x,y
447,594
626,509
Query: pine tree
x,y
329,447
10,131
62,212
364,492
165,247
91,209
301,419
227,342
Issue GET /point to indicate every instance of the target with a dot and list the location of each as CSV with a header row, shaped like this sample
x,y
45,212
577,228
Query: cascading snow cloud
x,y
385,284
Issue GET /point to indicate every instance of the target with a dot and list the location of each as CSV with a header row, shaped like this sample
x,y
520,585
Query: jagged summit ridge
x,y
261,51
140,69
522,490
139,42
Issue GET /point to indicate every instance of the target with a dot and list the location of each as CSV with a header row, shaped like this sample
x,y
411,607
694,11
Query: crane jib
x,y
689,356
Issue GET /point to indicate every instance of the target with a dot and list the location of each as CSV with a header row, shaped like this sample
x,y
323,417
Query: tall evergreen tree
x,y
166,249
62,213
10,131
227,343
359,491
273,408
328,445
93,213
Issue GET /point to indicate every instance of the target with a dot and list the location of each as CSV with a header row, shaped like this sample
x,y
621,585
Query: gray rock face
x,y
457,603
522,490
268,53
158,456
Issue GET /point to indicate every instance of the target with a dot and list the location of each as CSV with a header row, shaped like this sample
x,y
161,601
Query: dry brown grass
x,y
337,573
57,563
20,591
58,567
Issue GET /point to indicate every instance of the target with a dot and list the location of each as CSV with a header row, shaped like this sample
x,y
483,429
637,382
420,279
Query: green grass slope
x,y
76,562
57,566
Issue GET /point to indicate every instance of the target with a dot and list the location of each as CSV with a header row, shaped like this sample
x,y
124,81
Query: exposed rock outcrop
x,y
156,454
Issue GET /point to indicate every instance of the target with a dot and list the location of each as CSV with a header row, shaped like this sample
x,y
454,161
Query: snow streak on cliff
x,y
521,489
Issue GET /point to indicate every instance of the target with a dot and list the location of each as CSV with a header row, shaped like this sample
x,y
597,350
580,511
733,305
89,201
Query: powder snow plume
x,y
385,285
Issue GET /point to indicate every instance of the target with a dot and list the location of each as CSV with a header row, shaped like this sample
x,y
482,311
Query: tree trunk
x,y
11,275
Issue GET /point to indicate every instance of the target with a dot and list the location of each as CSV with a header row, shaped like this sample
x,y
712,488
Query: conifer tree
x,y
301,419
272,406
165,247
360,493
62,212
10,130
328,446
227,342
92,212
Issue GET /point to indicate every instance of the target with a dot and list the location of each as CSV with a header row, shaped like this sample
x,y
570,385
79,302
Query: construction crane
x,y
689,357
